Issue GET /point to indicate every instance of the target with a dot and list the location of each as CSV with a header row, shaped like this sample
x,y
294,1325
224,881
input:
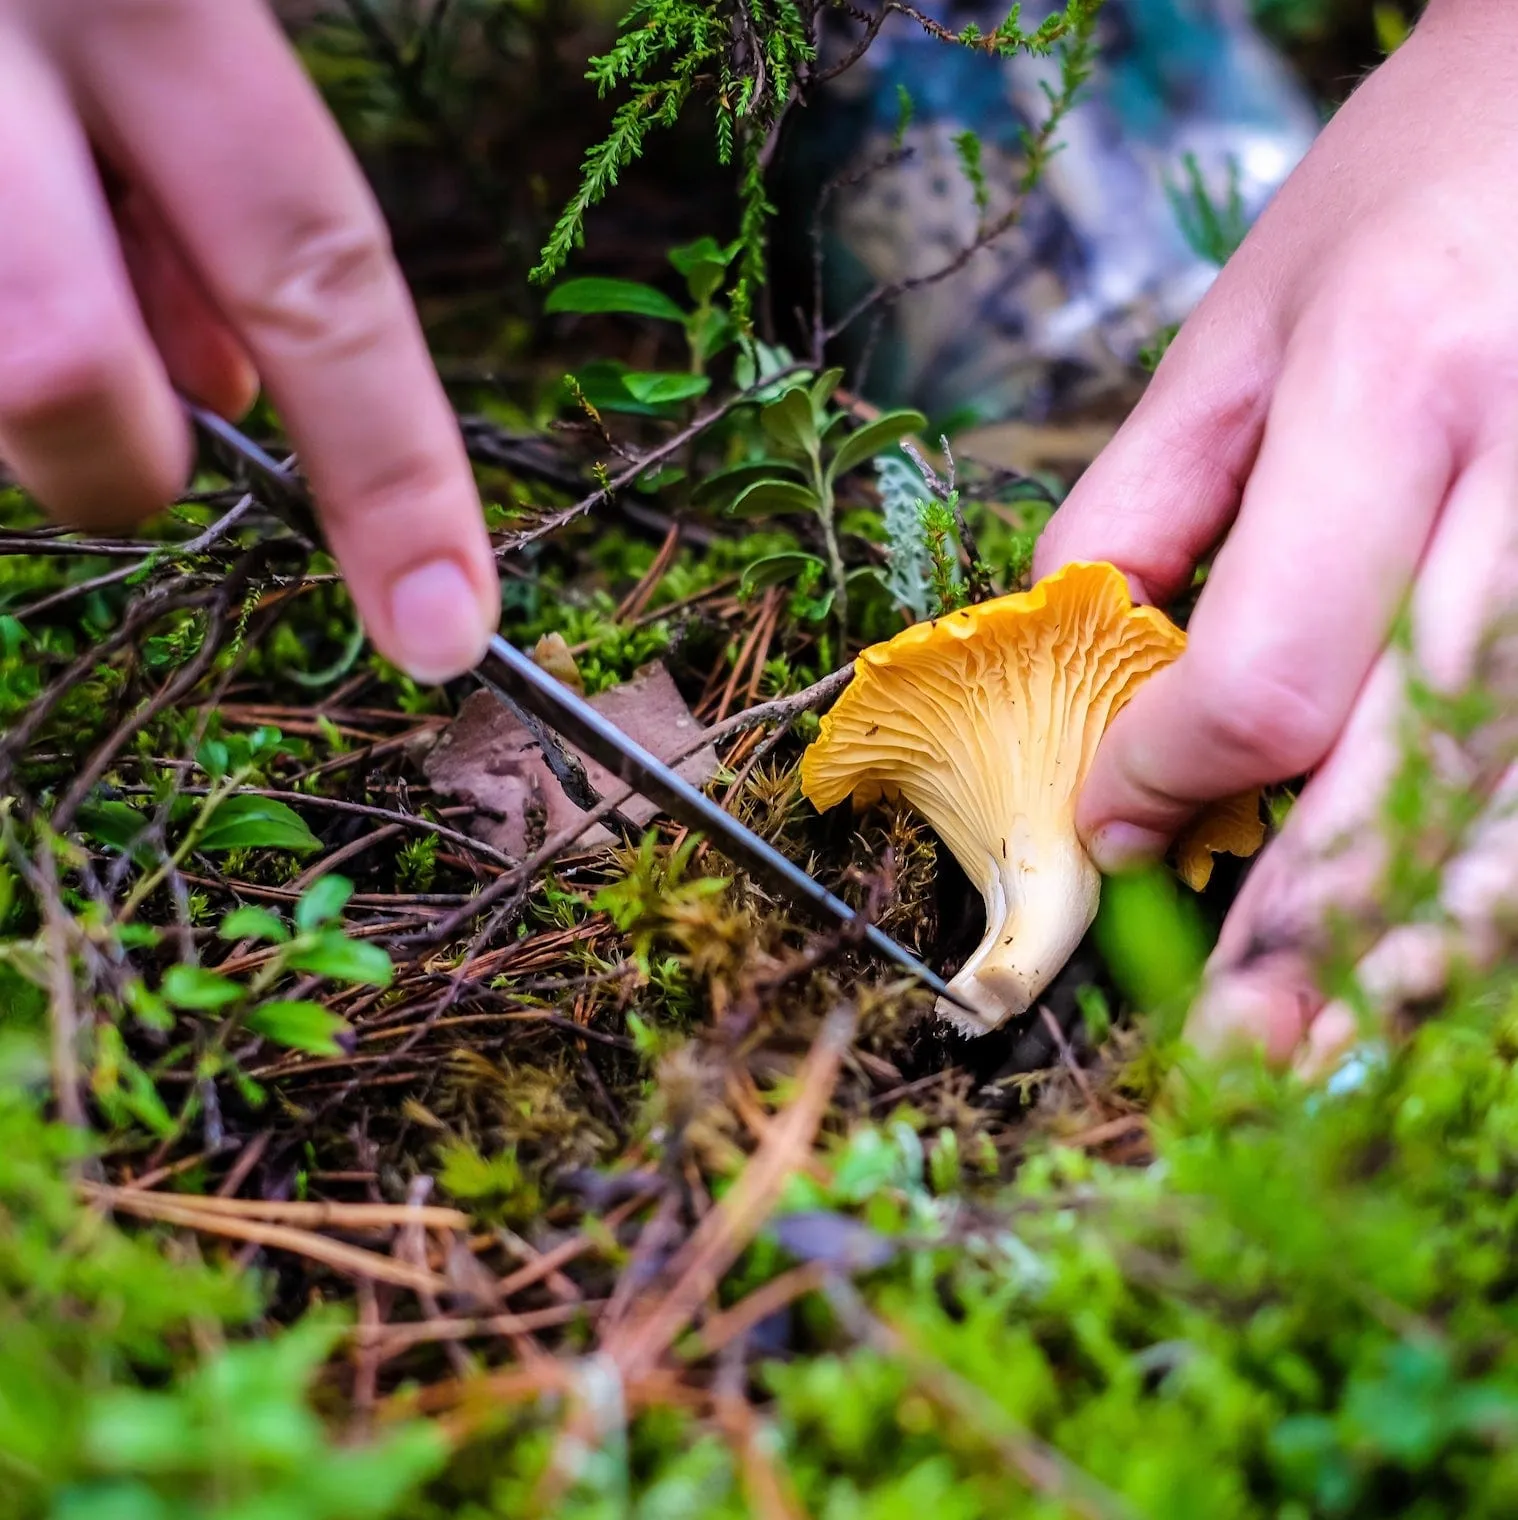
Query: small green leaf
x,y
151,1011
601,384
246,822
13,636
597,293
710,331
774,569
116,825
321,902
250,922
1392,26
874,438
344,960
823,387
213,758
767,497
790,422
196,988
758,361
1153,940
661,478
124,1089
720,489
301,1026
655,388
703,263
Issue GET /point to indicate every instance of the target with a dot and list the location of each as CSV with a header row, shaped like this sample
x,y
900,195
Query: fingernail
x,y
1122,846
1333,1033
435,622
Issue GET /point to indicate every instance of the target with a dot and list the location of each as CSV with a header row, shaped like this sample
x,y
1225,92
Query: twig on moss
x,y
814,696
661,454
190,1213
218,607
716,1243
63,1008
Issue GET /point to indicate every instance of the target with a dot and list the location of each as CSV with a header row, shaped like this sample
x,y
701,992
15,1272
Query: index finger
x,y
210,110
1165,489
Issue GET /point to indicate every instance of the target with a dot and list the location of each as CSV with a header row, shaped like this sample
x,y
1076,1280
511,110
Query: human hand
x,y
1344,406
240,241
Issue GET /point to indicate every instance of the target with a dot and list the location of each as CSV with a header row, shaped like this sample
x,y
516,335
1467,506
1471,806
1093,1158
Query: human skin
x,y
177,209
1341,413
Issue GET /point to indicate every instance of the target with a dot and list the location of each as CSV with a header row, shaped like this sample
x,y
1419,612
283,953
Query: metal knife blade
x,y
568,714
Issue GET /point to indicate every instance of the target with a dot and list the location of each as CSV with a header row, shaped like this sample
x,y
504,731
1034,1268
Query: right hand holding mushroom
x,y
985,720
1344,406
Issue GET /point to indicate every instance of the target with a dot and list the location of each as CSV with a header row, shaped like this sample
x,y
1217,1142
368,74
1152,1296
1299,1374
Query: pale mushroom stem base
x,y
1039,905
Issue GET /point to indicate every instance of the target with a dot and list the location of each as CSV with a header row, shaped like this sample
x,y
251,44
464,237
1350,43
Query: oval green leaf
x,y
196,988
722,488
789,421
345,960
654,388
252,922
775,570
824,386
245,822
597,293
300,1026
321,902
766,498
116,825
874,438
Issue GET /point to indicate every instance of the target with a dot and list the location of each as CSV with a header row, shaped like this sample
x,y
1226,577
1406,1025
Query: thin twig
x,y
313,1216
817,695
350,1261
716,1243
63,1010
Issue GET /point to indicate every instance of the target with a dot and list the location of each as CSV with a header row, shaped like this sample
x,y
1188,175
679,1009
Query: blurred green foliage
x,y
118,1398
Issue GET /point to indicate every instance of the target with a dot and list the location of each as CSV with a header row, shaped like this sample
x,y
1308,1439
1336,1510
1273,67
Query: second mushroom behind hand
x,y
985,721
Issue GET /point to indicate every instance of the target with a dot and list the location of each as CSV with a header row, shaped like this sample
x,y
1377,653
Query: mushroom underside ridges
x,y
976,728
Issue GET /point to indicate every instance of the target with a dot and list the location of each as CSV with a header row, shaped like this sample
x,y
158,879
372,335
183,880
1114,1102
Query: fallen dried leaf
x,y
487,758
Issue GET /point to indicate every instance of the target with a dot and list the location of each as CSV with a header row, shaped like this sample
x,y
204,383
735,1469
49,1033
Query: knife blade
x,y
567,713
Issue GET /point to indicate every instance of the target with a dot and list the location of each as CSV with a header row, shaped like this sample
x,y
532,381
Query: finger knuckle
x,y
402,487
1388,319
1264,715
332,290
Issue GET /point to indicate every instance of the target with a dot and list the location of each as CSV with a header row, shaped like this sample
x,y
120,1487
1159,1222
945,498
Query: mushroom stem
x,y
1039,904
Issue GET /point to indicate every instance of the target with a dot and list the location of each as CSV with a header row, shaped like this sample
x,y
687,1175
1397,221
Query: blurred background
x,y
472,118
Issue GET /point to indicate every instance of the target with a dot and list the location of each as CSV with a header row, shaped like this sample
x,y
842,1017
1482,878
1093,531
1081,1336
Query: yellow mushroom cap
x,y
986,721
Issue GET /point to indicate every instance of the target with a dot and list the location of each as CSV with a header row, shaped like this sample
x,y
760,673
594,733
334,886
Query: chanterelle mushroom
x,y
986,720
